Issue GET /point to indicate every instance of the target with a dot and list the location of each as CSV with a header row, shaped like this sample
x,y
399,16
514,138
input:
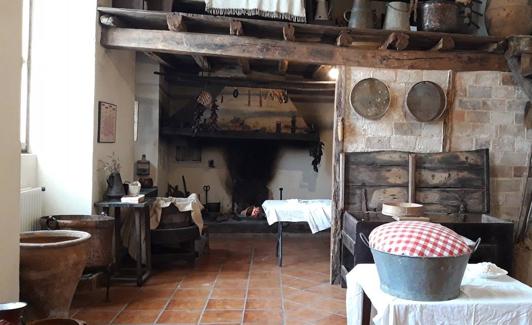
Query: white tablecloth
x,y
500,301
317,213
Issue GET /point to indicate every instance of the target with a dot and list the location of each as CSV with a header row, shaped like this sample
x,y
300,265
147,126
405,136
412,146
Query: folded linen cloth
x,y
293,10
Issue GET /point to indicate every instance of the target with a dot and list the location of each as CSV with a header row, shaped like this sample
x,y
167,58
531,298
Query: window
x,y
25,74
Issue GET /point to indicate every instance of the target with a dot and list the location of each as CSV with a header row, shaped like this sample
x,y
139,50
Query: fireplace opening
x,y
251,166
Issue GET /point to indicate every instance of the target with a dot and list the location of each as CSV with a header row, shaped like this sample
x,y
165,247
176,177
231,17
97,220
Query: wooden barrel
x,y
509,17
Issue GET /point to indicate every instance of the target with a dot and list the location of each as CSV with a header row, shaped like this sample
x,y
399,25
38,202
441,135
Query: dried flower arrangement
x,y
112,165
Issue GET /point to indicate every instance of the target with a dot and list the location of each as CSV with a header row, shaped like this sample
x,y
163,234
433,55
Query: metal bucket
x,y
397,16
420,278
99,226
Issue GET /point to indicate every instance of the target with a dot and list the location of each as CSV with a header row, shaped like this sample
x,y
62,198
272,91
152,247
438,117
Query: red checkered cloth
x,y
417,238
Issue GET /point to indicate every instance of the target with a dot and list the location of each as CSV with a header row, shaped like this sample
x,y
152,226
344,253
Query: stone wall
x,y
487,113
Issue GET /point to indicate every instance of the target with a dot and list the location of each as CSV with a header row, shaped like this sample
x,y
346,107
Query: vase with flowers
x,y
115,187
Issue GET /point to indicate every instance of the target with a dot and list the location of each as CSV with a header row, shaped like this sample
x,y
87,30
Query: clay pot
x,y
100,227
51,263
509,17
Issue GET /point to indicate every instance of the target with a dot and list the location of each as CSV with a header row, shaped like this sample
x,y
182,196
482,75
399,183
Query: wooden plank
x,y
321,73
398,176
254,48
446,43
338,194
111,21
441,200
425,40
176,23
456,159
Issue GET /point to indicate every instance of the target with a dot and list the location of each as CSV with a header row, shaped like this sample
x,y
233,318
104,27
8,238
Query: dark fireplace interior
x,y
251,165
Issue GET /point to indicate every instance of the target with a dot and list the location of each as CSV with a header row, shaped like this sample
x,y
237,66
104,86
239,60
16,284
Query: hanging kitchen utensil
x,y
235,93
360,15
370,98
439,16
426,101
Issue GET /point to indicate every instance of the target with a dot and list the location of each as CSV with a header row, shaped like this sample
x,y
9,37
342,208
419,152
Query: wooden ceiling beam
x,y
289,34
310,53
176,23
236,29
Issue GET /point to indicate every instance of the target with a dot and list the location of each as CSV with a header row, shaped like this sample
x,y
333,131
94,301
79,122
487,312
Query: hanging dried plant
x,y
112,164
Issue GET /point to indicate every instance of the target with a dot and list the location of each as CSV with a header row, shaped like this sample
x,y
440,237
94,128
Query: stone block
x,y
458,116
520,171
520,93
376,128
519,118
424,144
469,104
437,76
482,143
478,91
507,185
493,105
511,158
507,79
501,171
409,75
358,74
402,128
488,78
432,130
523,145
384,74
377,143
502,117
505,92
504,143
477,116
404,143
511,130
516,105
461,143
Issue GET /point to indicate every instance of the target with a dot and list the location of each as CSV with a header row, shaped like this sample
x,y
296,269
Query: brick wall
x,y
487,113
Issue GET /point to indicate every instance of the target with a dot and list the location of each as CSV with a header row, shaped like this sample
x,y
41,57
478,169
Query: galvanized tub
x,y
420,278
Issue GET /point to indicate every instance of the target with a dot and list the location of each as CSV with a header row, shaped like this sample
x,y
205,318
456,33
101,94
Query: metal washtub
x,y
420,278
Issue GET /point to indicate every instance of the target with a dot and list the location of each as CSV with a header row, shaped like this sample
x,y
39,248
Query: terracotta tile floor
x,y
237,282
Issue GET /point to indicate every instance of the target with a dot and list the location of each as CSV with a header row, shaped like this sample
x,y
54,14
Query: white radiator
x,y
30,208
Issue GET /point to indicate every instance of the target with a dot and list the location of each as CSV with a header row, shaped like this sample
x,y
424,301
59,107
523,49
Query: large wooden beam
x,y
176,23
255,48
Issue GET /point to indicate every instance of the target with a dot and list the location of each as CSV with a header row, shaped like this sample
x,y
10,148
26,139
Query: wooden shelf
x,y
242,135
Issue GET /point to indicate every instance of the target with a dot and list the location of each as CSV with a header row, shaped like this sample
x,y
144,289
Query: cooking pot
x,y
439,16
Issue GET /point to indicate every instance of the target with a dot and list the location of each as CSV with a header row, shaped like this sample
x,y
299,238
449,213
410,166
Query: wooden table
x,y
141,214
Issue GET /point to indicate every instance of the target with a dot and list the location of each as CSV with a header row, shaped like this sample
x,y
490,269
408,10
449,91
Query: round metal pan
x,y
370,98
426,101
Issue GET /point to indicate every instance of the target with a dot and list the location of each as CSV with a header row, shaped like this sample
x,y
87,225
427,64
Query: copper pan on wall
x,y
426,101
370,98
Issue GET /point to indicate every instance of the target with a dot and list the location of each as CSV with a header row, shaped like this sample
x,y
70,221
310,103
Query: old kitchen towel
x,y
293,10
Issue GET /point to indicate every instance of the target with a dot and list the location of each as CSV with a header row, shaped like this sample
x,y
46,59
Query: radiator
x,y
30,208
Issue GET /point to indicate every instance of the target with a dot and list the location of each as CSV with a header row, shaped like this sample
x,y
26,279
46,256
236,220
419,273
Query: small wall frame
x,y
107,113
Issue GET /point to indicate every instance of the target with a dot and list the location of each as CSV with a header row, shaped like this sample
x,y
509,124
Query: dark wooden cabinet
x,y
496,237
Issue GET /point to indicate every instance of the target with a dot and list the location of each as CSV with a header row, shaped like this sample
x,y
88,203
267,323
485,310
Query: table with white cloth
x,y
317,213
482,301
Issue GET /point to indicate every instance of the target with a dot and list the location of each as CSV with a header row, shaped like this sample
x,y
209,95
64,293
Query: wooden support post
x,y
288,35
446,43
236,29
176,23
395,40
338,175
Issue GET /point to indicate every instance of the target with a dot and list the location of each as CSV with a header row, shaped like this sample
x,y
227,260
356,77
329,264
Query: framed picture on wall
x,y
106,122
